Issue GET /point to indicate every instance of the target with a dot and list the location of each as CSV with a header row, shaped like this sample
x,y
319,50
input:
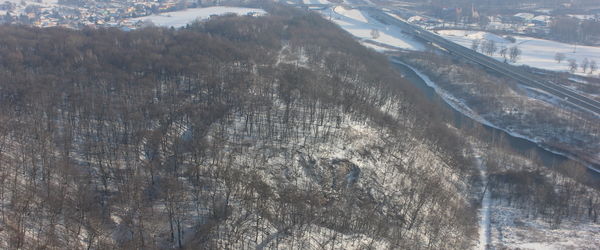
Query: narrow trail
x,y
484,211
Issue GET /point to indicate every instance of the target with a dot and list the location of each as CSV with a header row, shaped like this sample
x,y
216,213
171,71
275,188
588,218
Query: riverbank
x,y
461,105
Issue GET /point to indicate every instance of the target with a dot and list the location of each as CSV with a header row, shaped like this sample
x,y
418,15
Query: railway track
x,y
513,72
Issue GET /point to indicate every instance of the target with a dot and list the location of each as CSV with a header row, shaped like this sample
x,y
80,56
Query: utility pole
x,y
577,37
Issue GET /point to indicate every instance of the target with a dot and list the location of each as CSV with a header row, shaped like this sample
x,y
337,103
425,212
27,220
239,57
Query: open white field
x,y
42,2
178,19
365,28
316,2
536,52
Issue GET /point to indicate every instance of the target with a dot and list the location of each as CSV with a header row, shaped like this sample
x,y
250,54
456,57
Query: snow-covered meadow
x,y
315,2
179,19
369,31
538,53
42,2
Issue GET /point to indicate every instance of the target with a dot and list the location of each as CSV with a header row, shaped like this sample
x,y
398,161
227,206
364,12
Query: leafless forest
x,y
553,192
503,103
272,132
219,135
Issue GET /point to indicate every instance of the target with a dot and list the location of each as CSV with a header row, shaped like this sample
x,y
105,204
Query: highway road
x,y
513,72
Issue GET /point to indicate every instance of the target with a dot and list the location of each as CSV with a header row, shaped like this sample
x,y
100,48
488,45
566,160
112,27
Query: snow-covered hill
x,y
239,133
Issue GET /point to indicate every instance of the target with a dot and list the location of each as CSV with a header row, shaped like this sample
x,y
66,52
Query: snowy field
x,y
178,19
538,53
365,28
315,2
512,229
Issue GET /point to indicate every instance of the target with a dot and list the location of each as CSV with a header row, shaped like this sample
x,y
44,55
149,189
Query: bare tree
x,y
503,53
483,45
375,33
572,65
593,66
490,47
475,44
585,64
514,53
559,57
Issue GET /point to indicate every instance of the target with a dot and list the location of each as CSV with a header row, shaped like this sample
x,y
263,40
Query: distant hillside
x,y
271,132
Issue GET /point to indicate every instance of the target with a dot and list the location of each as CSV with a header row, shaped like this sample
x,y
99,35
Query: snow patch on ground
x,y
513,230
484,211
42,2
179,19
538,53
479,35
577,80
315,2
375,47
361,25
